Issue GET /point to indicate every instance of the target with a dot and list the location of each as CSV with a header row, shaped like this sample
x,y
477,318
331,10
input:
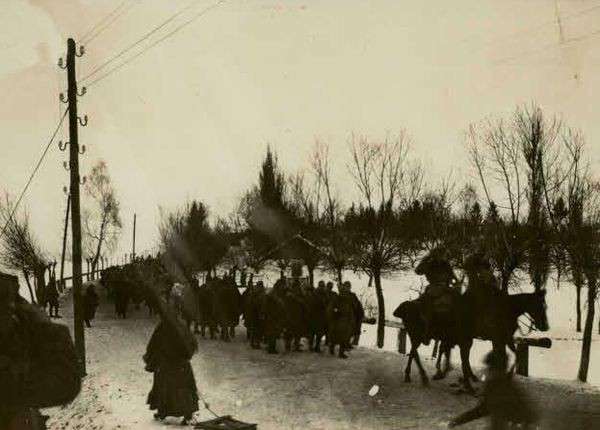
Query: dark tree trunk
x,y
26,276
380,308
339,275
586,345
505,281
311,275
40,284
578,290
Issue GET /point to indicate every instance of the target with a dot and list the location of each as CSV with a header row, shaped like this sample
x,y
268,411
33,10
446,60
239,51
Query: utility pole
x,y
75,205
64,244
133,251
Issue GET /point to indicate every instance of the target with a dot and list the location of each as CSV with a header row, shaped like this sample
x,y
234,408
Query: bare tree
x,y
102,219
19,248
576,216
304,201
386,180
330,212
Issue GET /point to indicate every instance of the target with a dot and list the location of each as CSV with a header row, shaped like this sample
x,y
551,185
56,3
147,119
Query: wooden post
x,y
522,359
62,257
436,346
75,205
401,341
133,250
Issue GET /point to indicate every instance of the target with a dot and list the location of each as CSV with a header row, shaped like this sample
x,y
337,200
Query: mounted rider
x,y
483,292
439,295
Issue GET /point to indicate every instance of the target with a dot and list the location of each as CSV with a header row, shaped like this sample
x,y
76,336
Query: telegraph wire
x,y
35,170
140,40
171,33
123,12
107,17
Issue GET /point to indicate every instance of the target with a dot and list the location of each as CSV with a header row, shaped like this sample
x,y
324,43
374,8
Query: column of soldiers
x,y
292,311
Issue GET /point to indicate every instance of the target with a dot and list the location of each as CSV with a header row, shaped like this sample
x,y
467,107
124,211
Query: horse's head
x,y
399,311
537,310
405,310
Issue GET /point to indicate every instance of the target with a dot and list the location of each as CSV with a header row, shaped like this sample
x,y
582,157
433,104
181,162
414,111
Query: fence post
x,y
522,359
401,341
434,352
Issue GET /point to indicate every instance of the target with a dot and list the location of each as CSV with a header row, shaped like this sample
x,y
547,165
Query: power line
x,y
37,166
140,40
124,11
103,20
171,33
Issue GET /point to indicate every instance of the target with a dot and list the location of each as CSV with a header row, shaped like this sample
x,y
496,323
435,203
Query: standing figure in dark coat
x,y
502,400
253,299
52,298
341,321
273,317
90,304
38,363
359,315
317,315
296,312
330,296
122,297
174,391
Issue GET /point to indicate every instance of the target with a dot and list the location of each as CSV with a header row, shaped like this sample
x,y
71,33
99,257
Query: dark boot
x,y
341,353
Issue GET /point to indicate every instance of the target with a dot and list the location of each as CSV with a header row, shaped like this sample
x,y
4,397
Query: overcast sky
x,y
191,117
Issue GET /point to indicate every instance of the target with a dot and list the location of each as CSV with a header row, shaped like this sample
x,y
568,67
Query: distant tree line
x,y
535,211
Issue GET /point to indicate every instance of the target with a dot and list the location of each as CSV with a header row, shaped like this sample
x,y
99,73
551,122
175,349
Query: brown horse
x,y
462,330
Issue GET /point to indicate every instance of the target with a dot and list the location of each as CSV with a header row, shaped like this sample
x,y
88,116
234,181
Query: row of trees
x,y
21,251
537,212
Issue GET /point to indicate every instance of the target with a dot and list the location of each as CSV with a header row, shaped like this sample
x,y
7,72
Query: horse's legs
x,y
438,363
448,360
408,367
424,377
317,347
465,349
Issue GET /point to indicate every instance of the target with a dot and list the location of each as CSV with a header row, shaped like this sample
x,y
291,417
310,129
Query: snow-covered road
x,y
289,391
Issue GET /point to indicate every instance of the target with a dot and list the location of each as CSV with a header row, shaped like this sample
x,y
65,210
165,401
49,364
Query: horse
x,y
410,313
504,322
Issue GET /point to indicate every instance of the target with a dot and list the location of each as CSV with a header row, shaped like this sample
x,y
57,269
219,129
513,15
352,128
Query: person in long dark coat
x,y
359,315
52,299
90,304
38,363
341,321
174,391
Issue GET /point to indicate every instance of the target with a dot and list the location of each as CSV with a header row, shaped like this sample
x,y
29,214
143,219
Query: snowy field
x,y
559,362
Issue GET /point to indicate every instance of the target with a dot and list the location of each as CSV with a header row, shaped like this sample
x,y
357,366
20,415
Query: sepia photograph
x,y
300,214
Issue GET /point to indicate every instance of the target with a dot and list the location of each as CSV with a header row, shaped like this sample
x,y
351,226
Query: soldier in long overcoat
x,y
90,304
38,363
341,320
174,391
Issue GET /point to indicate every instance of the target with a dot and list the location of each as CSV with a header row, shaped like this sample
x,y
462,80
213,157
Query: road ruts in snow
x,y
287,391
